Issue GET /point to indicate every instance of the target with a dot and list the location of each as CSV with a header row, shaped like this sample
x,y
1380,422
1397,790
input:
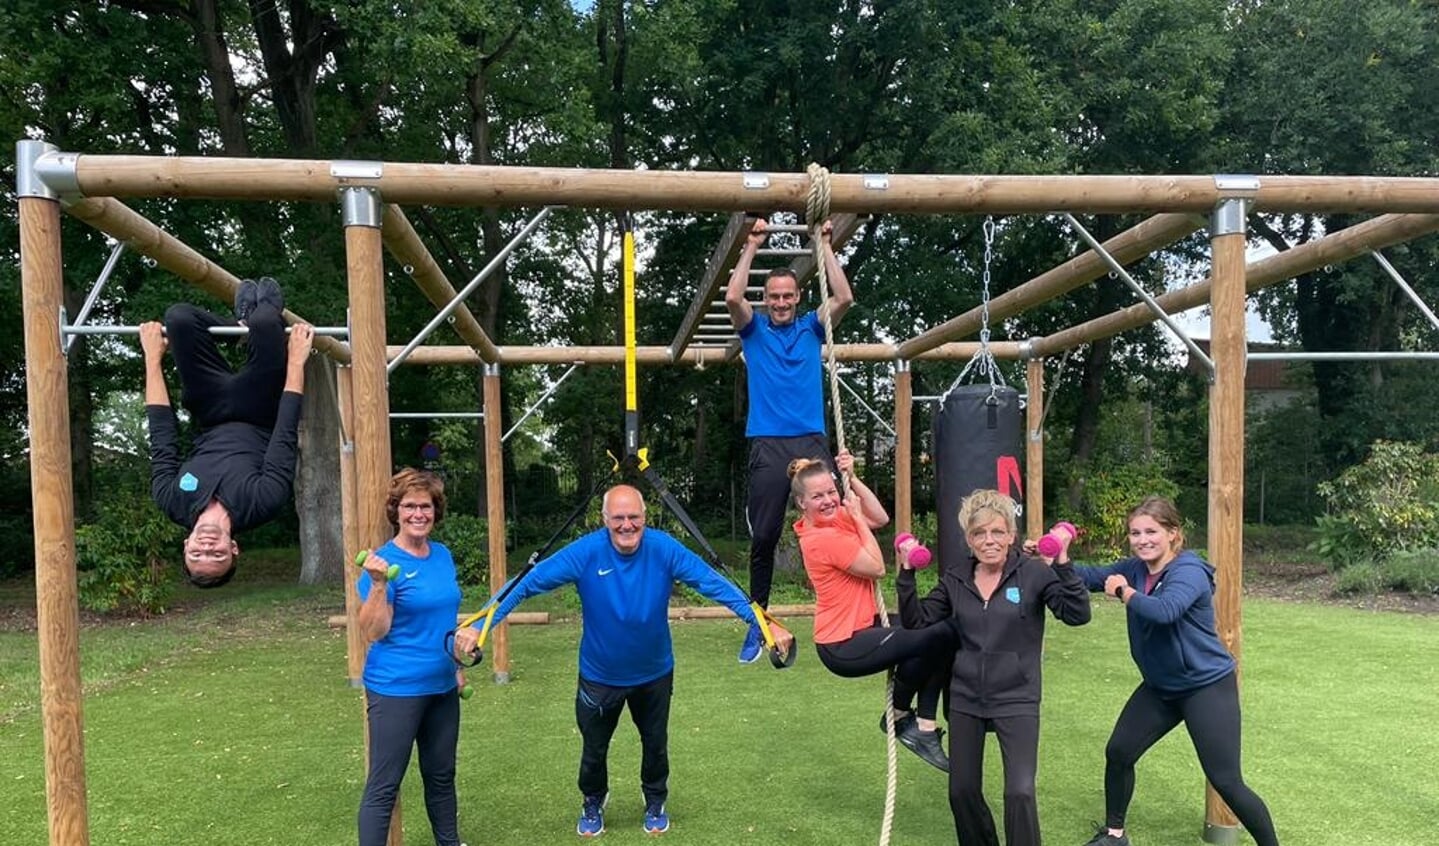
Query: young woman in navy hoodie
x,y
1187,674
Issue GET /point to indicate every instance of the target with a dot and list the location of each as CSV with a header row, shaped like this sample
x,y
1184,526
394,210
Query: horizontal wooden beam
x,y
1374,234
406,183
696,356
1129,246
124,224
405,245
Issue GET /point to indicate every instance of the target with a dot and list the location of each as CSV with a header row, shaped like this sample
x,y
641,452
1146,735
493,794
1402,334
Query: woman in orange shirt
x,y
843,560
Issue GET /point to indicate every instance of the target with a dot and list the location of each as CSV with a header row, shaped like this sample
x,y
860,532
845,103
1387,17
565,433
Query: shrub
x,y
468,538
1388,503
1413,570
1359,578
129,559
1109,494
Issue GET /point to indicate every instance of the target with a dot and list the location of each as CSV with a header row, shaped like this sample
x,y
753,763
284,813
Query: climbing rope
x,y
816,213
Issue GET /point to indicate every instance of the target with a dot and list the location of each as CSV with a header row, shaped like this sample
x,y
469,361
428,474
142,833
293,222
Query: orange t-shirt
x,y
844,602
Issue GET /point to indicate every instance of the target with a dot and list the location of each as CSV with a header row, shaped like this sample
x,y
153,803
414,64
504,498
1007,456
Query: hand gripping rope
x,y
816,213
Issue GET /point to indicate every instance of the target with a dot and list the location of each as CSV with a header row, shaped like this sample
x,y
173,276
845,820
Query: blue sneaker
x,y
592,816
749,653
656,820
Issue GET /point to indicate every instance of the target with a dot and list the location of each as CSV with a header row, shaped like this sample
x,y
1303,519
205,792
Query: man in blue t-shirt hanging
x,y
786,397
624,574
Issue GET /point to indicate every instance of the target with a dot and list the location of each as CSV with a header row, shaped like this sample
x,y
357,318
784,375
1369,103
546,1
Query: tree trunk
x,y
317,493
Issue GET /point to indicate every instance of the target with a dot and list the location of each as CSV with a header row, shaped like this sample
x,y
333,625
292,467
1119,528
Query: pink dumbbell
x,y
1051,544
914,552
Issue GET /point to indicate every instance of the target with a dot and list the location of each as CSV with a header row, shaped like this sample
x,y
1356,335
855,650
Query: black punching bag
x,y
978,441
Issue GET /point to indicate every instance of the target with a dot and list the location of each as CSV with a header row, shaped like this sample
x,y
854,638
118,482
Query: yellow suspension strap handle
x,y
487,613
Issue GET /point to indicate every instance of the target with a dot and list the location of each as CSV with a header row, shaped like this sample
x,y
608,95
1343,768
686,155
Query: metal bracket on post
x,y
361,207
491,368
43,171
28,181
901,365
1237,193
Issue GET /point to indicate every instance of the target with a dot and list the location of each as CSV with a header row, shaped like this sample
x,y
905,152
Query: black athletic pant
x,y
597,711
211,391
921,658
769,460
1019,749
1211,715
396,724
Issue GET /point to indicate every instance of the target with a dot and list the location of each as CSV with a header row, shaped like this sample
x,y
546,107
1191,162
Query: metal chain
x,y
983,361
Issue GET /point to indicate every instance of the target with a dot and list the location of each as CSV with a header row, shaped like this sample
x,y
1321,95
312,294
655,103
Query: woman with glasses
x,y
843,560
411,696
999,596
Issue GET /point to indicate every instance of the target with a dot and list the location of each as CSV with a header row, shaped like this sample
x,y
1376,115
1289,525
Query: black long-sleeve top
x,y
249,469
997,665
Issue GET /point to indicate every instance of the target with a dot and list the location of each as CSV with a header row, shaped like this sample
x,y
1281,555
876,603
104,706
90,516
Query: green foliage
x,y
1407,570
1109,494
468,538
1388,503
128,561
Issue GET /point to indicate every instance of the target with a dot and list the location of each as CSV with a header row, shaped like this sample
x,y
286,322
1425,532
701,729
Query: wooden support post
x,y
1034,449
1226,455
57,603
355,645
495,498
370,394
903,447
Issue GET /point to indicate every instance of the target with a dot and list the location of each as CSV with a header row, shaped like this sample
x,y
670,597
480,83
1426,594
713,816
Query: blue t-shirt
x,y
785,377
625,600
411,660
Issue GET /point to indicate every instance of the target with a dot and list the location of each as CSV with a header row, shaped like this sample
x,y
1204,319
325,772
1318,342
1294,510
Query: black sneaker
x,y
903,724
1102,837
247,296
928,745
253,292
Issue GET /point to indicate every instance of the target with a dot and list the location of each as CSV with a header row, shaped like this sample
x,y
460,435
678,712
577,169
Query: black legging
x,y
211,391
921,658
398,724
768,497
1211,715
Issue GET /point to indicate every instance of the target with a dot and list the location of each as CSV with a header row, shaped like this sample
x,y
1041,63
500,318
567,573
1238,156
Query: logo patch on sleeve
x,y
189,483
1012,594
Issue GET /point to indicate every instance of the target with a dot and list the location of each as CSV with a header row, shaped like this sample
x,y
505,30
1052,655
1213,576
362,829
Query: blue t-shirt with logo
x,y
626,600
785,377
411,659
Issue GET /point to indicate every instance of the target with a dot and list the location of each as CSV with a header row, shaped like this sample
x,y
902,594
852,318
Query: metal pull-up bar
x,y
76,329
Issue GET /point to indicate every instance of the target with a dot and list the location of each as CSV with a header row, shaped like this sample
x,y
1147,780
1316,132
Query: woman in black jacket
x,y
998,594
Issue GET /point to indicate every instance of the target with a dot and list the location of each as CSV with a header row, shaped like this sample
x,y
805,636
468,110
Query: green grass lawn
x,y
232,723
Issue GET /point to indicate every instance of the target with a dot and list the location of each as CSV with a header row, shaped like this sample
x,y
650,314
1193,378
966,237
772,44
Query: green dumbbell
x,y
392,573
467,691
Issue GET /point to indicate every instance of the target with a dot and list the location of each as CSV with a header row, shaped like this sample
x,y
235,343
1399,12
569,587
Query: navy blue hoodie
x,y
1172,635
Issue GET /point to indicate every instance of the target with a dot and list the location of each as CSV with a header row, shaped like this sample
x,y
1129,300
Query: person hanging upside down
x,y
243,463
998,595
843,560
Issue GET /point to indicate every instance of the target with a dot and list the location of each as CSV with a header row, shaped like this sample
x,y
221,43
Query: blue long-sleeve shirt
x,y
1172,633
625,601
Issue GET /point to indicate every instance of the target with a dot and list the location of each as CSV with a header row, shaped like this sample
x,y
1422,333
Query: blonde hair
x,y
800,471
1164,513
983,506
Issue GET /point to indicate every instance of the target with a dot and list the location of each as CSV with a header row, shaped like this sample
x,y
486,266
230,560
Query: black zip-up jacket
x,y
997,666
247,468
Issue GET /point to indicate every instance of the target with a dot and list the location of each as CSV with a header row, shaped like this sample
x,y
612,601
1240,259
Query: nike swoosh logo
x,y
607,572
412,575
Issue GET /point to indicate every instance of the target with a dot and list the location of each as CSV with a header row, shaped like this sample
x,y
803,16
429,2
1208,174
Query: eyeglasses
x,y
421,507
618,520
